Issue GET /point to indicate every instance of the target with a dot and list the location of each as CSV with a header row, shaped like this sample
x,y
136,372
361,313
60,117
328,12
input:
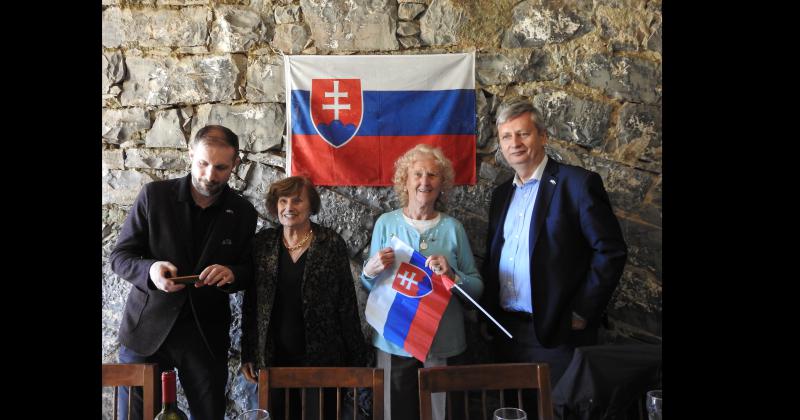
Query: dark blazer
x,y
577,250
330,309
158,228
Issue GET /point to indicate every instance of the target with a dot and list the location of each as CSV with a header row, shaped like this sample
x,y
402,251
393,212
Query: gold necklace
x,y
299,244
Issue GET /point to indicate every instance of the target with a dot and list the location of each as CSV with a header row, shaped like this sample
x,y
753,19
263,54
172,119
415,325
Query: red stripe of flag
x,y
359,161
426,321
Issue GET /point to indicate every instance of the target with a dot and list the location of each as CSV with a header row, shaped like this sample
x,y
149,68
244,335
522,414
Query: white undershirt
x,y
422,225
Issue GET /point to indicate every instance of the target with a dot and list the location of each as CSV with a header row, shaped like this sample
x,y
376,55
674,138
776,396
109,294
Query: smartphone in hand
x,y
186,279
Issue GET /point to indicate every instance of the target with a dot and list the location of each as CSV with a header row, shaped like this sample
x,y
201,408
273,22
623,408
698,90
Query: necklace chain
x,y
299,244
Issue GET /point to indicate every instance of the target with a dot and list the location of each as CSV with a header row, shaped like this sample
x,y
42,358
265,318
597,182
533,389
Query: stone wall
x,y
593,67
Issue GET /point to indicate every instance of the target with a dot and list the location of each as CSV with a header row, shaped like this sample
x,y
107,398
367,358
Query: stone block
x,y
157,159
236,29
571,118
639,138
534,25
260,127
627,78
265,80
290,38
188,80
287,14
112,159
155,27
514,66
410,11
113,69
352,25
442,22
167,131
122,187
121,125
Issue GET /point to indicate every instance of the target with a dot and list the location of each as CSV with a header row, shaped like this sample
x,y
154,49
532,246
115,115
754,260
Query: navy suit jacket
x,y
158,228
577,250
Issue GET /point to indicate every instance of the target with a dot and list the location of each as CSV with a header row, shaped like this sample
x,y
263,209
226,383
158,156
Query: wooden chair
x,y
144,375
323,377
485,377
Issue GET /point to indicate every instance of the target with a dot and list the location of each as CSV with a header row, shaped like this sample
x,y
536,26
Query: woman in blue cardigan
x,y
422,176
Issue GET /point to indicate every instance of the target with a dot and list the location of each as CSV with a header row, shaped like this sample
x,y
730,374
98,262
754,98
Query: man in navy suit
x,y
555,251
178,227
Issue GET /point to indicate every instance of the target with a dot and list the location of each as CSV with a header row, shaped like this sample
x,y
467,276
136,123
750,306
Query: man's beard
x,y
206,189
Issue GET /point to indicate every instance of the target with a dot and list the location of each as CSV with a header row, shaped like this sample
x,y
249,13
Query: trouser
x,y
202,377
526,348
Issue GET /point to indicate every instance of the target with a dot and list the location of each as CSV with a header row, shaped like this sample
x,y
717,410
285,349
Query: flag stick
x,y
463,293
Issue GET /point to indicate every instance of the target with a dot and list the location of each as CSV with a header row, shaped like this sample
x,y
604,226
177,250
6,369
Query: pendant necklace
x,y
420,226
430,237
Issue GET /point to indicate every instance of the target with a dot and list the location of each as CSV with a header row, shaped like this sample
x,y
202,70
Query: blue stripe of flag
x,y
403,309
402,113
418,260
399,318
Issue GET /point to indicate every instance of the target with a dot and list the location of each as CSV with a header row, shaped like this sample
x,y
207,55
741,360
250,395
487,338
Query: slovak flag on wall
x,y
407,301
350,117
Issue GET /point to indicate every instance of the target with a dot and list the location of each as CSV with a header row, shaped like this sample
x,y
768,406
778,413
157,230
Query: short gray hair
x,y
516,107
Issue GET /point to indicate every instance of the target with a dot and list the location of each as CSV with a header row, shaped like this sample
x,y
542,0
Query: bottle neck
x,y
168,389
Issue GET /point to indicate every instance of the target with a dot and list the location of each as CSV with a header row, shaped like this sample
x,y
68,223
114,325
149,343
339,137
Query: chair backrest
x,y
323,377
499,377
144,375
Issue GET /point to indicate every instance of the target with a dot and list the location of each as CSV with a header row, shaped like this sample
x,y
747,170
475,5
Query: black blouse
x,y
287,312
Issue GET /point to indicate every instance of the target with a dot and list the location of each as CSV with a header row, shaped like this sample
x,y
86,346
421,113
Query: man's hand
x,y
249,372
160,272
215,274
382,259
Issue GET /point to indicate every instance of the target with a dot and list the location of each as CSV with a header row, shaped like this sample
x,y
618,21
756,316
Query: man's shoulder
x,y
161,186
576,179
236,198
567,170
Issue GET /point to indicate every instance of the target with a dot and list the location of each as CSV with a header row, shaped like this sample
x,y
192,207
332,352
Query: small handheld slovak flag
x,y
407,301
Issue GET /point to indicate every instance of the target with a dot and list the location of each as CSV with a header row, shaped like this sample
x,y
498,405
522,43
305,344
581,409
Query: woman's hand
x,y
250,373
439,265
378,262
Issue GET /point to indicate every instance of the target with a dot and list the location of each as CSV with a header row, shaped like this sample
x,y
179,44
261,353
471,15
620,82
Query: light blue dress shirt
x,y
515,257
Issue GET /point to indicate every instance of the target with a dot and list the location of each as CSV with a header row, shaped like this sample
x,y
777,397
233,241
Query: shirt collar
x,y
537,174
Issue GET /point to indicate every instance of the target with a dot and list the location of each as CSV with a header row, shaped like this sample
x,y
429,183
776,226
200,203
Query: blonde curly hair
x,y
412,155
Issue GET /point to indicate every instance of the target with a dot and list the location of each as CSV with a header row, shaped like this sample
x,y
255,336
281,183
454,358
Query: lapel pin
x,y
226,242
553,181
229,211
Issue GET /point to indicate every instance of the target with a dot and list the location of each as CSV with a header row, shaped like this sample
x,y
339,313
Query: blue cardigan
x,y
446,238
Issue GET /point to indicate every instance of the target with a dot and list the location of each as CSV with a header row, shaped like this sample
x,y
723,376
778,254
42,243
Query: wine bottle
x,y
169,403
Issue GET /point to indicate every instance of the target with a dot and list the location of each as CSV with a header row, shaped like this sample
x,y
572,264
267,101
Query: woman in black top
x,y
301,310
